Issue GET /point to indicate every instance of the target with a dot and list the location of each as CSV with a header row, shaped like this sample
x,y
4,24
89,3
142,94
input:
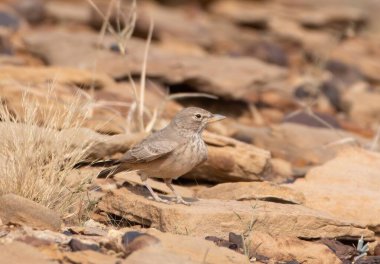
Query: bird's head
x,y
194,119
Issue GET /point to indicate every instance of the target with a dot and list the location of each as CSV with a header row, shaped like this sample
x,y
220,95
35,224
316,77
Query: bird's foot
x,y
160,200
179,200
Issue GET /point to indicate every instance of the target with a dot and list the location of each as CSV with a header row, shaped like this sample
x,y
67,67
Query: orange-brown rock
x,y
346,187
217,218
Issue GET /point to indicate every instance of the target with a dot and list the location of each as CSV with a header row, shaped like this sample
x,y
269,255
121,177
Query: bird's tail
x,y
109,172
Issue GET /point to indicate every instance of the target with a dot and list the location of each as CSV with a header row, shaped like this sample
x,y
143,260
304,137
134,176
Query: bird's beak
x,y
215,118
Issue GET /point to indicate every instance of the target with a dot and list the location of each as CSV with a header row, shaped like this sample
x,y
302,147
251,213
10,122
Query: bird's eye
x,y
198,116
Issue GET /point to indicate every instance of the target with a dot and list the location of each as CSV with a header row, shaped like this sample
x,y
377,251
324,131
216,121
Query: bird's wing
x,y
149,150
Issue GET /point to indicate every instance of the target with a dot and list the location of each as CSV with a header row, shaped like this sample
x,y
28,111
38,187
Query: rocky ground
x,y
293,174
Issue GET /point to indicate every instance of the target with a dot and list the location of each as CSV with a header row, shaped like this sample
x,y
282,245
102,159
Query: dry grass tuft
x,y
37,160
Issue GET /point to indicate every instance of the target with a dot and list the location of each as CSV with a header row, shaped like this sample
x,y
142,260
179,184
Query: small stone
x,y
77,245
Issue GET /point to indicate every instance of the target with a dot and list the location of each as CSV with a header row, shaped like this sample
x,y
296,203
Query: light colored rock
x,y
299,144
56,88
346,187
18,210
307,14
157,254
211,74
30,76
217,218
18,253
64,11
364,53
242,191
281,171
90,257
283,249
364,106
231,160
174,248
159,186
242,12
292,22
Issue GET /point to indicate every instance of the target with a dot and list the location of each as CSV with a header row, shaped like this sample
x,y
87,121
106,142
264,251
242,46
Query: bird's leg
x,y
154,195
178,197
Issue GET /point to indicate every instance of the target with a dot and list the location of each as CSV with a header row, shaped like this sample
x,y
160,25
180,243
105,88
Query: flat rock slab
x,y
242,191
17,252
281,249
218,218
239,78
19,210
346,187
299,144
173,249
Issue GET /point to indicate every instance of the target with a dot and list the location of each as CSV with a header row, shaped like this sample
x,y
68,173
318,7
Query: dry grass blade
x,y
342,141
122,35
143,77
36,159
188,95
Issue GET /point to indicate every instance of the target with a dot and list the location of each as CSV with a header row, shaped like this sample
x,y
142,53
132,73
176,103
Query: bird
x,y
170,152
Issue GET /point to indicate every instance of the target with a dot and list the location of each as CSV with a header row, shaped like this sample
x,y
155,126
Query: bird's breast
x,y
182,160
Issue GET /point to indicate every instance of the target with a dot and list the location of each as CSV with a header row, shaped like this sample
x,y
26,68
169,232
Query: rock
x,y
8,19
301,145
274,17
33,10
364,53
346,187
68,86
243,12
77,245
174,248
341,17
210,74
217,218
89,256
18,210
47,235
159,255
102,104
134,179
309,15
133,241
34,241
63,11
368,260
342,251
242,191
93,228
364,108
226,243
59,75
17,252
210,33
288,249
231,160
282,171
